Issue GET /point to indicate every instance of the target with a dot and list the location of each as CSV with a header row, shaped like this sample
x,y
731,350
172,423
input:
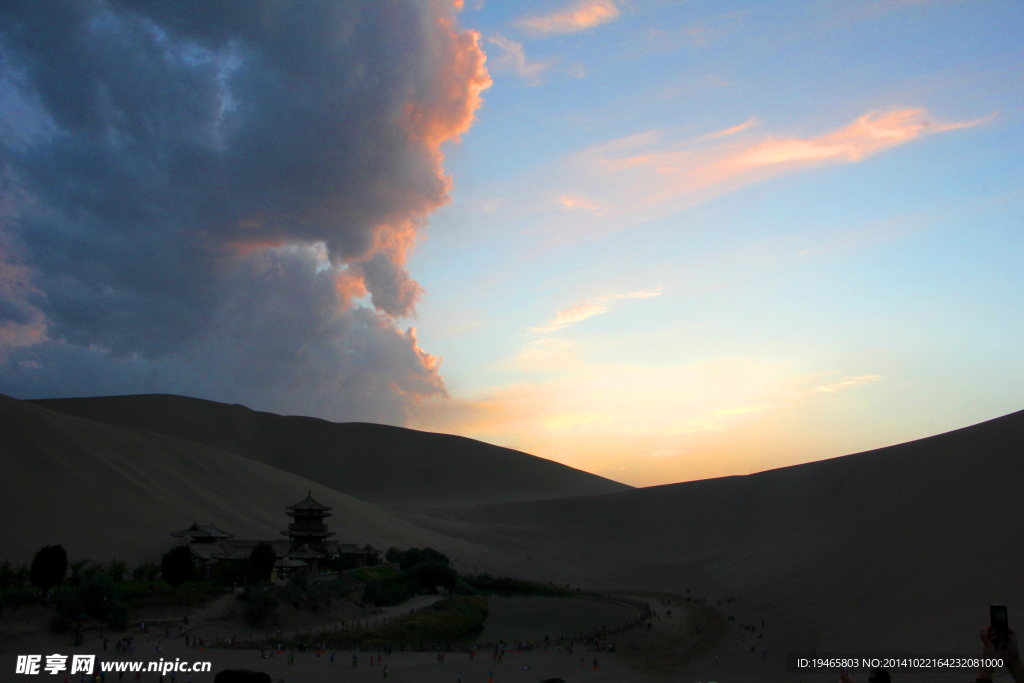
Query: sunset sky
x,y
654,240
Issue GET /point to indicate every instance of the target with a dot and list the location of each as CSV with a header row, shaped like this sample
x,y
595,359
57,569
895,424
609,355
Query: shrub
x,y
6,576
48,567
443,621
415,556
260,607
95,594
99,599
262,560
430,575
177,566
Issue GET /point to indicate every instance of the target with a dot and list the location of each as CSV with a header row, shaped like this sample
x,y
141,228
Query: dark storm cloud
x,y
173,168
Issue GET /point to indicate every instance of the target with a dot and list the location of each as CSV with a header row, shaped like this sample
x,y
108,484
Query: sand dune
x,y
898,548
108,492
373,462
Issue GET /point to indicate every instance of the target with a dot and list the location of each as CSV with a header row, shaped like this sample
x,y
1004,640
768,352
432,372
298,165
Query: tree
x,y
177,566
6,576
414,556
393,554
430,575
48,567
262,561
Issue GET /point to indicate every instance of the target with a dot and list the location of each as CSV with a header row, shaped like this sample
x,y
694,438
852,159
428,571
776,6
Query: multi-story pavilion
x,y
308,545
308,528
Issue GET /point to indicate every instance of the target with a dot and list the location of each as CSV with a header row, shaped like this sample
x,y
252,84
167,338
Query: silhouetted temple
x,y
308,545
309,528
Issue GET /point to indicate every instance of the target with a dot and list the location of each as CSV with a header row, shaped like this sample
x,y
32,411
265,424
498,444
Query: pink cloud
x,y
645,171
572,19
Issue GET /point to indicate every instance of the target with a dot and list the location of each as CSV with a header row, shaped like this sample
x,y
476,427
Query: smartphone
x,y
1000,622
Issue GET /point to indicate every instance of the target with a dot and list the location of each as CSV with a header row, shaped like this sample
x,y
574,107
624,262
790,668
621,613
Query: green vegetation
x,y
260,607
301,593
261,562
419,570
106,591
48,567
374,573
177,566
507,587
444,621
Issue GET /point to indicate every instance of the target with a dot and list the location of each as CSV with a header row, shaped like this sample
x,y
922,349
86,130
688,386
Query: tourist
x,y
993,646
385,671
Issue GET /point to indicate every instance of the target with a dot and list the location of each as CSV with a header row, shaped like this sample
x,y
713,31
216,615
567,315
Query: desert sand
x,y
376,463
900,549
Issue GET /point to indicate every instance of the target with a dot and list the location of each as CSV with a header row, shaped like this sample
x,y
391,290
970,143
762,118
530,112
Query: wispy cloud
x,y
581,311
647,171
512,58
574,18
845,383
873,132
571,315
696,35
572,201
546,349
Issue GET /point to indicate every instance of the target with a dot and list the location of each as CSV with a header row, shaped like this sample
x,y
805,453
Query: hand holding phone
x,y
1000,622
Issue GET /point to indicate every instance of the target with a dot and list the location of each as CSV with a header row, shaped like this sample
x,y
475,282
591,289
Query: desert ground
x,y
901,549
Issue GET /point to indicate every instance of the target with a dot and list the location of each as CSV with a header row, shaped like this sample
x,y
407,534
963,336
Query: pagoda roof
x,y
202,530
303,553
307,533
308,503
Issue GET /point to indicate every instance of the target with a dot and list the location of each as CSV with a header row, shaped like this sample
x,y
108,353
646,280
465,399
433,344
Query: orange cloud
x,y
873,132
577,17
447,112
349,286
645,171
29,327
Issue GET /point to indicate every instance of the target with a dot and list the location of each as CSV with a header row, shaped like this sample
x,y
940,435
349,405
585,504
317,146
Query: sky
x,y
655,240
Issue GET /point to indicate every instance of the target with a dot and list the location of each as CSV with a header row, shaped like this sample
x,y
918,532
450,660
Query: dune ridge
x,y
377,463
904,545
109,492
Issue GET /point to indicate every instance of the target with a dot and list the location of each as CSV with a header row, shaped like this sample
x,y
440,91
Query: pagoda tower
x,y
308,528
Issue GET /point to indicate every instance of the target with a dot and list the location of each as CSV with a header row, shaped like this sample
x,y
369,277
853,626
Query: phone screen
x,y
1000,621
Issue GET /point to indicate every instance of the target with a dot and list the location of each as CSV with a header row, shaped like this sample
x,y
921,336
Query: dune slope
x,y
902,545
378,463
106,492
